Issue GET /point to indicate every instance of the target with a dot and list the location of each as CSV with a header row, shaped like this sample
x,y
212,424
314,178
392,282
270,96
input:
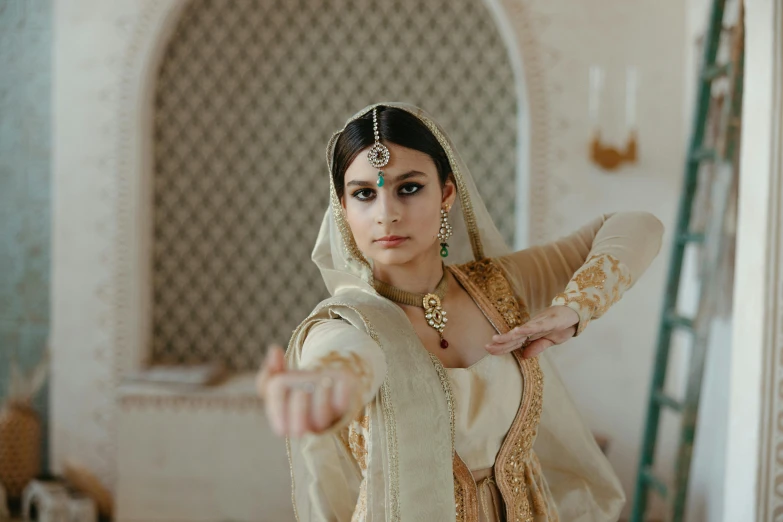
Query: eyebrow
x,y
401,177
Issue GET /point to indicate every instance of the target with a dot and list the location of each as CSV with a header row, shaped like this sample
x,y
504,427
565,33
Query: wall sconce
x,y
606,156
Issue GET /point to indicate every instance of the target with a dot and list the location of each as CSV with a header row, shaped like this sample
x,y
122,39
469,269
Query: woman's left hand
x,y
552,326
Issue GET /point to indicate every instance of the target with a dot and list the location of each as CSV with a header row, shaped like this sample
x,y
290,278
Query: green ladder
x,y
723,155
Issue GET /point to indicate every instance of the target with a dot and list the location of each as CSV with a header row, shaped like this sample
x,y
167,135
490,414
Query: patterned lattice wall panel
x,y
248,95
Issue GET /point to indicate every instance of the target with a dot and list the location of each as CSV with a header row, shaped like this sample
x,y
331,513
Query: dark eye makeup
x,y
408,189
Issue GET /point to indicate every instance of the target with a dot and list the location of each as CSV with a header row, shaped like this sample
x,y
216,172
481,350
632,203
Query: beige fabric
x,y
490,501
487,397
409,441
408,476
538,274
334,342
488,393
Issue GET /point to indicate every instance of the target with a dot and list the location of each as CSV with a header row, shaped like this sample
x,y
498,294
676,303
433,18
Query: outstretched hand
x,y
300,401
552,326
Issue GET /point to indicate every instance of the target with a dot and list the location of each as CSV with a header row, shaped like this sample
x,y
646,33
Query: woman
x,y
417,391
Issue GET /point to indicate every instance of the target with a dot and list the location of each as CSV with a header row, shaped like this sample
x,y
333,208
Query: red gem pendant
x,y
444,343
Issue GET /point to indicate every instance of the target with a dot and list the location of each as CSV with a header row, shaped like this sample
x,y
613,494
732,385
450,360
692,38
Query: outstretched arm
x,y
341,370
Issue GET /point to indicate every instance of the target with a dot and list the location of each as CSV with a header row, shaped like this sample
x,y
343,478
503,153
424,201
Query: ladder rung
x,y
691,237
703,154
664,400
715,71
656,484
679,321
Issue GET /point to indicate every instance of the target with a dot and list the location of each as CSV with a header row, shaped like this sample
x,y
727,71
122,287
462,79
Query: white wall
x,y
101,56
199,456
608,369
753,464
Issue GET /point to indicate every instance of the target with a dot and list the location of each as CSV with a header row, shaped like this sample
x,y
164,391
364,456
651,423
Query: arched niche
x,y
102,255
246,97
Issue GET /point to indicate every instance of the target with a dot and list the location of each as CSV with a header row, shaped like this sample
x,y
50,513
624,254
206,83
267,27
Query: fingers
x,y
323,412
537,326
537,347
508,341
544,324
299,412
509,346
307,402
276,358
512,335
533,344
277,404
517,339
274,363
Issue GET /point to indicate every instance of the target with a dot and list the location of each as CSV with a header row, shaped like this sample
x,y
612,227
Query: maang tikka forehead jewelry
x,y
379,154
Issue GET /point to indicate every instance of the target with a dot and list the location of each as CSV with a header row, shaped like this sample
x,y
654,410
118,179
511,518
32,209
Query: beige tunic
x,y
587,271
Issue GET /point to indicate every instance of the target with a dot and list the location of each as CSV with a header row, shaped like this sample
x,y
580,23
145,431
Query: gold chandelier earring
x,y
445,232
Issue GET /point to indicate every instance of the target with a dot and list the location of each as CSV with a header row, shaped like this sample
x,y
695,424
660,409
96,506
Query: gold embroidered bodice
x,y
515,473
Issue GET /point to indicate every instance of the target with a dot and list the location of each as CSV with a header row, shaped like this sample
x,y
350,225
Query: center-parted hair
x,y
395,126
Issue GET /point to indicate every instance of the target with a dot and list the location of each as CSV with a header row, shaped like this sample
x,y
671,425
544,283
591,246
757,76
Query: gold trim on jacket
x,y
516,473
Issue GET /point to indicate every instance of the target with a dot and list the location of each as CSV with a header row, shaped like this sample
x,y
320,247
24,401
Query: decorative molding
x,y
104,201
176,403
528,26
149,36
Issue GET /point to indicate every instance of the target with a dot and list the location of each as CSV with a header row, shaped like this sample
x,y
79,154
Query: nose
x,y
387,208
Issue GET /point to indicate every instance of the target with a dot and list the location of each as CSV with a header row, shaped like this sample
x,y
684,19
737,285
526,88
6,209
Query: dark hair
x,y
394,125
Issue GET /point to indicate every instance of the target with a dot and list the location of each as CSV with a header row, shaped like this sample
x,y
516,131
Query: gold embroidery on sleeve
x,y
357,440
595,287
592,275
350,362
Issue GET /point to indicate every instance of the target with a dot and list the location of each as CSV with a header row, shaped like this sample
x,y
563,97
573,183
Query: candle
x,y
630,97
594,100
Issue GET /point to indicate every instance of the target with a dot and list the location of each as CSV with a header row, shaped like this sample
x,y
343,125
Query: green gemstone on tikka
x,y
380,178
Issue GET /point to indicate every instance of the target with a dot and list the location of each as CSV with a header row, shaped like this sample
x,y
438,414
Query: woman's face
x,y
399,222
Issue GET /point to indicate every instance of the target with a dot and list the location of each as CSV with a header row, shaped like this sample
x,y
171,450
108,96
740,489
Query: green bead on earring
x,y
380,178
445,232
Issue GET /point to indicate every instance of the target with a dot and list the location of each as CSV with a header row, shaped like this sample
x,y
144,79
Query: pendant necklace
x,y
378,156
432,303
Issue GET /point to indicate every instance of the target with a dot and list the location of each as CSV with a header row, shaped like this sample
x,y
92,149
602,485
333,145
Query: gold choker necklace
x,y
433,309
